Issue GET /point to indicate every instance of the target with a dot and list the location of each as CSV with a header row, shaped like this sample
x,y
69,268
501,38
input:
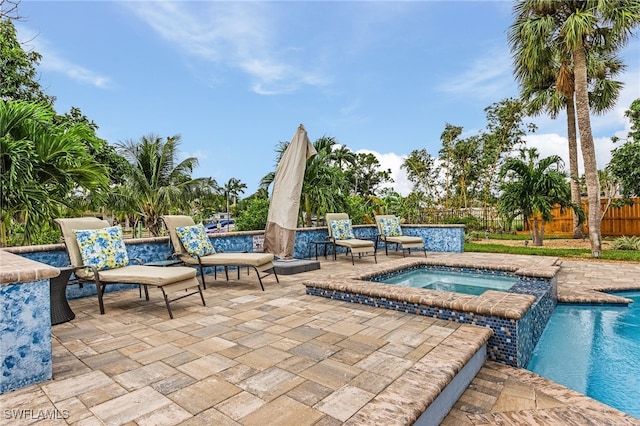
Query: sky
x,y
234,79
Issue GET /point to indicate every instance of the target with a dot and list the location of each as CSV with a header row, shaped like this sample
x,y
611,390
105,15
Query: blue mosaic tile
x,y
512,342
25,326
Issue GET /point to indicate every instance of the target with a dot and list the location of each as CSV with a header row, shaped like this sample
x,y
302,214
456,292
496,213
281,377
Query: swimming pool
x,y
594,350
465,282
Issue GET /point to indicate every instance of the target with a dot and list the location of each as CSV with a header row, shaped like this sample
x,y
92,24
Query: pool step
x,y
425,393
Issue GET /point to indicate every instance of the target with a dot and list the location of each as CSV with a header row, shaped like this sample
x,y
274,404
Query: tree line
x,y
565,60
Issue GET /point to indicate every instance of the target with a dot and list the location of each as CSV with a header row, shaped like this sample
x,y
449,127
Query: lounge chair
x,y
195,249
107,262
390,232
341,235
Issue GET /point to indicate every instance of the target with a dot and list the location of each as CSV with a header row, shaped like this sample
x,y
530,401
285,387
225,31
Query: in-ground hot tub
x,y
457,280
517,316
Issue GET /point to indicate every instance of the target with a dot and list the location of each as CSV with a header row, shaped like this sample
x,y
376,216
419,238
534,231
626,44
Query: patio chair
x,y
98,254
390,232
192,245
341,235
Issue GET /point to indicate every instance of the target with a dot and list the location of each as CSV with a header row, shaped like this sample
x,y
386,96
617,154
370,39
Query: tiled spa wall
x,y
512,342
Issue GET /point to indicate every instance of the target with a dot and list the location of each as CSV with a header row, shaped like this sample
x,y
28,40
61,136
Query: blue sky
x,y
236,78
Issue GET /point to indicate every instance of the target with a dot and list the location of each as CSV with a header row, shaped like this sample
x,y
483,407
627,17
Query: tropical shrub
x,y
626,243
254,216
471,223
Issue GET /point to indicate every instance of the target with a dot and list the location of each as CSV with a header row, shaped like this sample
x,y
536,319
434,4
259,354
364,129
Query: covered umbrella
x,y
282,221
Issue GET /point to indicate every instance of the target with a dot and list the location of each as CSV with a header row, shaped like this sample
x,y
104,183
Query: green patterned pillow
x,y
390,226
341,229
195,240
103,248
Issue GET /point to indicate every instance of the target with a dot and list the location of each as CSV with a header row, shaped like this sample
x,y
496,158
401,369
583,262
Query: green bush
x,y
472,223
254,217
626,243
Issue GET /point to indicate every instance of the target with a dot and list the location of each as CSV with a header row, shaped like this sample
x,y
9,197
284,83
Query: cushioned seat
x,y
194,248
105,261
257,260
341,234
390,232
151,275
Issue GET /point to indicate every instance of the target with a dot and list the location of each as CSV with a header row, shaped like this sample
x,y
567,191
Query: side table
x,y
60,309
316,244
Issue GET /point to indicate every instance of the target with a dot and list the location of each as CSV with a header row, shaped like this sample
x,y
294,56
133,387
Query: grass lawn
x,y
497,245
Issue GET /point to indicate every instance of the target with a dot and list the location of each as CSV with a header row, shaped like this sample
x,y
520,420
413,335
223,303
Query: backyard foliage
x,y
156,182
572,34
626,243
564,57
18,69
531,187
625,160
43,167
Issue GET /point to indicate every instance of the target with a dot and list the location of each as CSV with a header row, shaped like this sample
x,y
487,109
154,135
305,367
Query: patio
x,y
284,357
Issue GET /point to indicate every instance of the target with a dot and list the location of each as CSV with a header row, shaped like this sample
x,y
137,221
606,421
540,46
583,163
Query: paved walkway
x,y
282,357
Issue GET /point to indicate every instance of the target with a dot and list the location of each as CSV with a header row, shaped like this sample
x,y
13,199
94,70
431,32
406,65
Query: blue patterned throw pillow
x,y
390,226
195,240
103,248
341,229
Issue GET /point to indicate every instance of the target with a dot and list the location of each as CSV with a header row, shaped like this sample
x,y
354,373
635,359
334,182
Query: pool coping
x,y
494,303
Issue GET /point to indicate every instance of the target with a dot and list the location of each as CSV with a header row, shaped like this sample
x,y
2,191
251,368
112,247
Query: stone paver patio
x,y
283,357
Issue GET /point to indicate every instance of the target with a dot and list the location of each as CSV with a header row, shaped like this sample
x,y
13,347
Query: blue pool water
x,y
457,282
594,350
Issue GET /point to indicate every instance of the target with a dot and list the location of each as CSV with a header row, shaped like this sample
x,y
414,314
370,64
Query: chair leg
x,y
259,277
201,296
166,301
100,290
204,285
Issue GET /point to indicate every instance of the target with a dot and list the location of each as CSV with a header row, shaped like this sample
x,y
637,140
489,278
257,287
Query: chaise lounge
x,y
341,234
192,246
98,255
390,232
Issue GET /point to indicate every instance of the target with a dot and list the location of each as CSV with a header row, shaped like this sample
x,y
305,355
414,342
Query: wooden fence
x,y
617,221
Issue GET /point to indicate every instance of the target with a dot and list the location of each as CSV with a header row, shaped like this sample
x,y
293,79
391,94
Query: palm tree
x,y
531,187
42,166
155,184
576,28
233,188
549,88
325,187
343,157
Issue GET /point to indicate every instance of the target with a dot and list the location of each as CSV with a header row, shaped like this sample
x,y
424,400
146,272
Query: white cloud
x,y
53,61
486,76
240,35
554,144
